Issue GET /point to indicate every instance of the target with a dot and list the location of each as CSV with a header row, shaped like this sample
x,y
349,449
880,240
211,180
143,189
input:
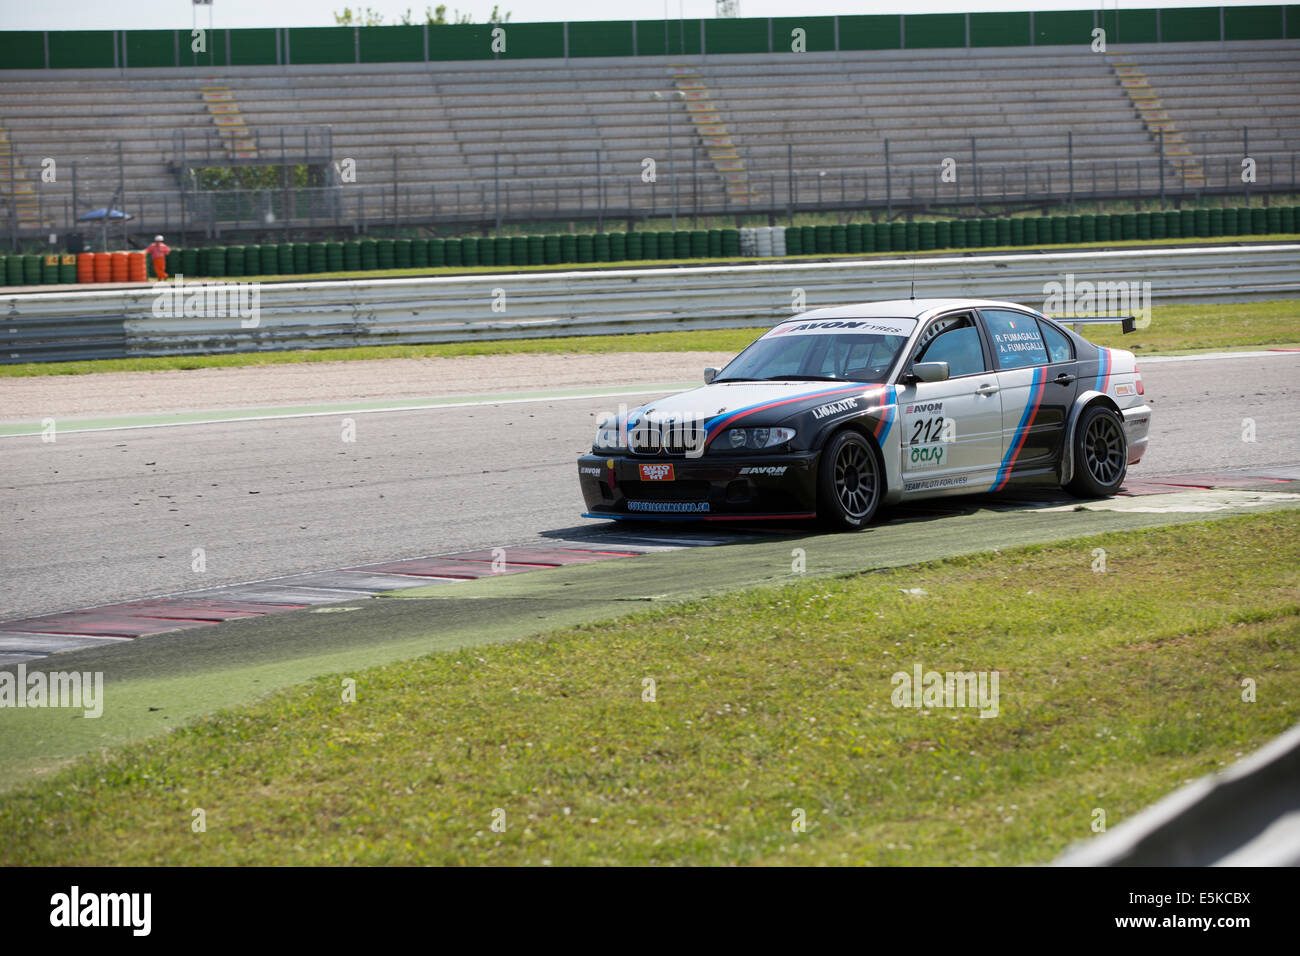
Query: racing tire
x,y
1100,454
850,481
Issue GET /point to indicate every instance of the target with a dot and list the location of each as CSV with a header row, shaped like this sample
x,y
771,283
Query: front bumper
x,y
717,488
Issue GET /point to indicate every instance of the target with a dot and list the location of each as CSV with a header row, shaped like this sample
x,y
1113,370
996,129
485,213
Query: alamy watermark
x,y
923,688
53,689
178,299
1101,298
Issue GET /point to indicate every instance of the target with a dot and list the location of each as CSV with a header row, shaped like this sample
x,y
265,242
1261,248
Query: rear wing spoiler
x,y
1127,323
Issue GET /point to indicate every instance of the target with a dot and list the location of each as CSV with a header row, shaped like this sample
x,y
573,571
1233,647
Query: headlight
x,y
607,437
756,438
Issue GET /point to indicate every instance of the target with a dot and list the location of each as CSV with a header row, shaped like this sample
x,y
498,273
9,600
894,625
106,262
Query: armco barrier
x,y
1240,817
538,305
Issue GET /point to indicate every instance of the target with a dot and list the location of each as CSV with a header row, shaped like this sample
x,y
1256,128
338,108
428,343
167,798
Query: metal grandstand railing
x,y
900,190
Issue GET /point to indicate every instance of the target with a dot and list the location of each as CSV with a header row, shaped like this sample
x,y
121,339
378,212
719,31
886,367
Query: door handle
x,y
1065,378
986,390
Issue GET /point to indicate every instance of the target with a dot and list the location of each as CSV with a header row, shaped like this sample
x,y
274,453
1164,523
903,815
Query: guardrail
x,y
293,315
1244,816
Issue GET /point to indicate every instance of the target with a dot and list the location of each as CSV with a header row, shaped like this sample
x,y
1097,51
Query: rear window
x,y
1058,343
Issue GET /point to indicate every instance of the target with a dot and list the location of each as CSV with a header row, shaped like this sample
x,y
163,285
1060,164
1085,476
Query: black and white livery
x,y
838,411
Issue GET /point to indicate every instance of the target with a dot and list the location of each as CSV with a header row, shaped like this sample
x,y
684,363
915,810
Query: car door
x,y
951,431
1038,380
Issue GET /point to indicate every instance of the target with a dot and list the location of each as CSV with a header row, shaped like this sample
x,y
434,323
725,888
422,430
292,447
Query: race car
x,y
837,411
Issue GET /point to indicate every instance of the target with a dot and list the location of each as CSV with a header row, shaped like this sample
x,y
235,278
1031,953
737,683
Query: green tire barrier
x,y
235,261
794,240
912,232
569,246
268,259
437,253
853,237
715,244
252,260
49,269
898,236
402,253
635,246
68,269
536,251
1230,225
822,239
487,251
419,253
469,251
552,250
586,248
519,251
1288,219
453,251
386,253
1273,216
699,243
189,264
217,262
617,247
926,235
352,255
1002,232
1258,221
14,270
301,257
839,239
681,244
881,230
369,254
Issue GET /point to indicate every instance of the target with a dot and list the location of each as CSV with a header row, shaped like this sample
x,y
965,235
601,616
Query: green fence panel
x,y
605,38
927,30
818,34
870,32
1063,28
536,41
248,47
323,45
469,41
394,44
1000,29
81,49
742,35
152,47
23,50
1253,23
1189,25
1130,26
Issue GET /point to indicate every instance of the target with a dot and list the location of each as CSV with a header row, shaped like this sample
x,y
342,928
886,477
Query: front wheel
x,y
849,481
1100,454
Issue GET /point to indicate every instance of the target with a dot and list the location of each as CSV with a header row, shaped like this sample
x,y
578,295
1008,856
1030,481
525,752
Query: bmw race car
x,y
837,411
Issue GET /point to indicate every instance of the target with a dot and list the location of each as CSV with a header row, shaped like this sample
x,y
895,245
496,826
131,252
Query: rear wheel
x,y
849,481
1100,454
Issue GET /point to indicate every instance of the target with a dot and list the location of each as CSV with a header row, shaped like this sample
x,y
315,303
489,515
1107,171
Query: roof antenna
x,y
913,295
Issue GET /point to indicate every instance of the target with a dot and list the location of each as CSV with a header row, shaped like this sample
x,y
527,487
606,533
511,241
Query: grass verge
x,y
1173,328
1114,688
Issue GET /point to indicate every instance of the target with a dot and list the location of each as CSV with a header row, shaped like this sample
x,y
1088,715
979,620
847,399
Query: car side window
x,y
1016,339
1058,343
955,340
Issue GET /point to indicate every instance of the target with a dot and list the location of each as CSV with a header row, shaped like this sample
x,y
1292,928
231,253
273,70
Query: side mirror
x,y
929,372
710,374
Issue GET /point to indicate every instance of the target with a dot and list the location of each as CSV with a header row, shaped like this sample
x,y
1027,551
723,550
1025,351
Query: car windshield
x,y
822,351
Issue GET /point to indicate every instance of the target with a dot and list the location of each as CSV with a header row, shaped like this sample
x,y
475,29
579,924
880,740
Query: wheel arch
x,y
1085,401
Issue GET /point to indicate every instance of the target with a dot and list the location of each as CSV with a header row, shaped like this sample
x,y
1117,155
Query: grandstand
x,y
473,143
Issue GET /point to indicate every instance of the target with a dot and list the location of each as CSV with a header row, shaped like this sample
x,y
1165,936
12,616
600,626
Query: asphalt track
x,y
112,515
